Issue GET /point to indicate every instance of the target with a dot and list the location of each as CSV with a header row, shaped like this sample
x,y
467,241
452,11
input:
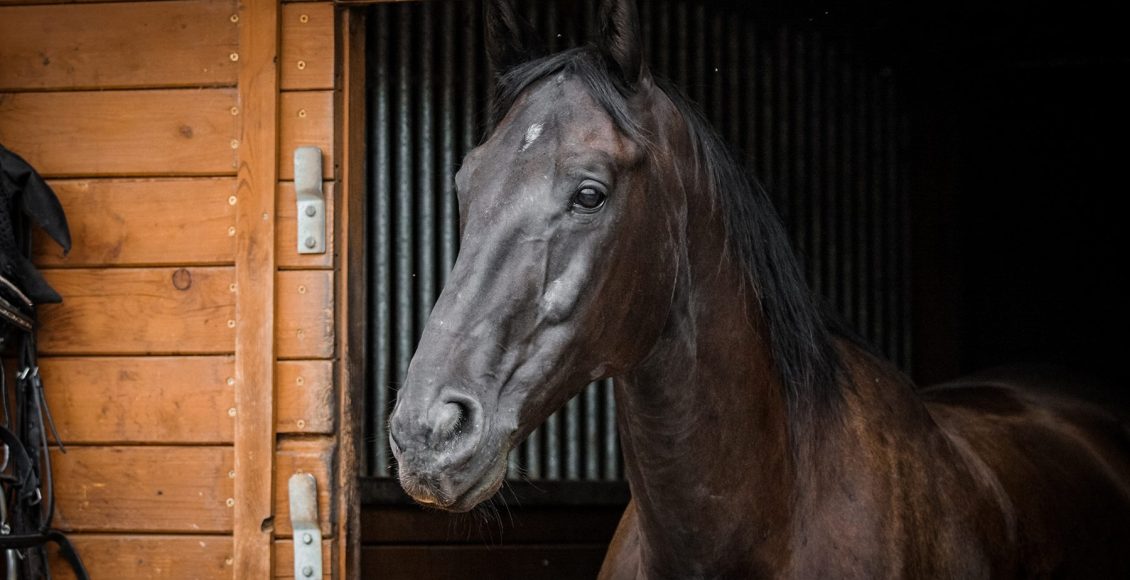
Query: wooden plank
x,y
284,560
287,237
144,489
313,456
38,2
307,46
355,3
144,557
351,294
140,311
306,403
255,273
141,400
306,119
143,222
522,525
152,44
136,133
498,562
305,317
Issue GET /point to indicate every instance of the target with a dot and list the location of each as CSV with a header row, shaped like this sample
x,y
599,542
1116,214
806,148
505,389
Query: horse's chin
x,y
483,488
481,491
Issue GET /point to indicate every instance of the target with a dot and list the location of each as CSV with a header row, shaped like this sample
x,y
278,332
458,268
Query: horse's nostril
x,y
450,419
394,444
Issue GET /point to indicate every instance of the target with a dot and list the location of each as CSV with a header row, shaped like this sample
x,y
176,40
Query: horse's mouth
x,y
485,489
432,495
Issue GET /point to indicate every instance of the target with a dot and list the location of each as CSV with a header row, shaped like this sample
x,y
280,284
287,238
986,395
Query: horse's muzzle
x,y
435,443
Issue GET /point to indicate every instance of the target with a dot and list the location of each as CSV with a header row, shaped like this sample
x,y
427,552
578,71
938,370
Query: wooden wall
x,y
192,366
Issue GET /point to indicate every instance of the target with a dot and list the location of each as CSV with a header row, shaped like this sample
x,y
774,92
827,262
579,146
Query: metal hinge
x,y
311,200
304,522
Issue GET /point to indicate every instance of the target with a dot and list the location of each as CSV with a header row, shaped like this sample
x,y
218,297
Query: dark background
x,y
1019,135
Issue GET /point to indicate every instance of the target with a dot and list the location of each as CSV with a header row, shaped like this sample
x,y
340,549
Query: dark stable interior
x,y
1019,144
1018,124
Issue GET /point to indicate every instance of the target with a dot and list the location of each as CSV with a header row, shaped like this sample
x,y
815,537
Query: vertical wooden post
x,y
351,284
255,285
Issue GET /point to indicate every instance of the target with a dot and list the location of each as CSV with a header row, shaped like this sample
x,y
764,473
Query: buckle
x,y
26,372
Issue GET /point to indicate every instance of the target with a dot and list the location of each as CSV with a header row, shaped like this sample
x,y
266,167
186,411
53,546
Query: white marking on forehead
x,y
532,135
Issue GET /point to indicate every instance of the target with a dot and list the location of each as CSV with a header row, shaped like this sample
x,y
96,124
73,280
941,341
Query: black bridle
x,y
28,504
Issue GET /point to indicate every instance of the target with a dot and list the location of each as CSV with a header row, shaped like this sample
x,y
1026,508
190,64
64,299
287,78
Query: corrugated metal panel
x,y
817,123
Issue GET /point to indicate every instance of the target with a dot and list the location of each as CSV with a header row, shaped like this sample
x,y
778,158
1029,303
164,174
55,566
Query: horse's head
x,y
571,228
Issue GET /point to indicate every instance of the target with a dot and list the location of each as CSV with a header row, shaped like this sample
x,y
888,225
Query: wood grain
x,y
306,402
144,489
144,222
351,293
140,311
255,274
306,119
307,46
286,240
152,44
140,400
144,557
116,133
315,456
305,318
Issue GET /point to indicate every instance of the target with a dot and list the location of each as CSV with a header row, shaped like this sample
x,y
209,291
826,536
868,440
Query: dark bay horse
x,y
607,233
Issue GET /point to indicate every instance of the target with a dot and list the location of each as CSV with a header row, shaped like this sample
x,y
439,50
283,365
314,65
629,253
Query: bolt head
x,y
311,243
311,211
307,571
307,539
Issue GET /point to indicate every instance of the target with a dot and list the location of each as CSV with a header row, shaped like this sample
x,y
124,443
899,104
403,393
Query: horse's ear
x,y
621,39
510,38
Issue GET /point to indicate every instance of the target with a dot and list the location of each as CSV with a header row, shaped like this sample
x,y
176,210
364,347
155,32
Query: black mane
x,y
802,343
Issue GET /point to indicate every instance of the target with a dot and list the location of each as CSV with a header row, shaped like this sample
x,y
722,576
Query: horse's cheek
x,y
645,306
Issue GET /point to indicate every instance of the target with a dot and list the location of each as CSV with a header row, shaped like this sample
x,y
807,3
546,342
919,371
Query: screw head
x,y
307,539
311,211
307,571
311,243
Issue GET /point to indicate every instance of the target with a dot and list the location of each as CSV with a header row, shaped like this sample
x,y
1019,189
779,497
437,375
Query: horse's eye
x,y
588,199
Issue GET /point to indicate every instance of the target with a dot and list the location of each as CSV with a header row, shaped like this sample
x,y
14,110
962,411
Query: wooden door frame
x,y
351,283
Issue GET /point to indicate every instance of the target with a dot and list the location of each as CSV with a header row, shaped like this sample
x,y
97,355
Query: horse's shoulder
x,y
1055,447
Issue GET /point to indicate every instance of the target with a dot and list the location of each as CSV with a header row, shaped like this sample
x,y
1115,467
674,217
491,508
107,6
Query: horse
x,y
607,232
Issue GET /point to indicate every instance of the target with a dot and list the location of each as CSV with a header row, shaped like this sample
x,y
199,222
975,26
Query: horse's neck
x,y
719,488
704,432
